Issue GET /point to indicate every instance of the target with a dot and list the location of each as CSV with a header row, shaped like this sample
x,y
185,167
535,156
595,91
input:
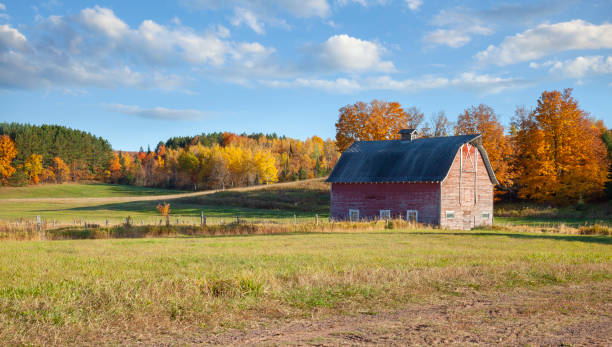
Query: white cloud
x,y
457,26
11,38
455,37
578,67
96,48
267,8
346,53
158,113
414,4
244,16
2,7
339,85
547,39
485,84
103,20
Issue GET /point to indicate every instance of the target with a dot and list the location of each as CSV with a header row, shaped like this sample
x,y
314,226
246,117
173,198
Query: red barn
x,y
445,181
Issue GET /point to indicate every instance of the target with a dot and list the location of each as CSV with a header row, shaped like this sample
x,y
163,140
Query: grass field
x,y
303,199
148,290
78,190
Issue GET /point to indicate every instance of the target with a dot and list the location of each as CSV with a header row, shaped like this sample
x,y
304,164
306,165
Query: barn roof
x,y
419,160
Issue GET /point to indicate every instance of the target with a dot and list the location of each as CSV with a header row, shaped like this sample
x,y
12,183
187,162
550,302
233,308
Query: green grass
x,y
77,190
141,210
110,290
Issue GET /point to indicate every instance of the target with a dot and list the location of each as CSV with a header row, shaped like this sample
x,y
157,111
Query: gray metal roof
x,y
419,160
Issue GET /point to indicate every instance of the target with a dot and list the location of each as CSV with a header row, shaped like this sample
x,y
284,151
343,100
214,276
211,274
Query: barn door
x,y
467,175
468,220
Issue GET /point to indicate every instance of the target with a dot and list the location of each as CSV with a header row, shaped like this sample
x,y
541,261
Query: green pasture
x,y
111,290
78,190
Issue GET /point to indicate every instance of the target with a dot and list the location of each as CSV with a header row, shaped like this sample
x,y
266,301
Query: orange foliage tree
x,y
482,120
378,120
8,152
61,170
115,168
560,156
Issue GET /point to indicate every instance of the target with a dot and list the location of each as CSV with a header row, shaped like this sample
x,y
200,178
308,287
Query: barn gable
x,y
417,160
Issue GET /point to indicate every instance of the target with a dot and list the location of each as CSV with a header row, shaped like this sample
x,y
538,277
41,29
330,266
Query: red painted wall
x,y
370,198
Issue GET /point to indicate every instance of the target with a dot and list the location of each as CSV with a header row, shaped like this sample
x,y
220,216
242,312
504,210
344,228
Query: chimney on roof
x,y
408,134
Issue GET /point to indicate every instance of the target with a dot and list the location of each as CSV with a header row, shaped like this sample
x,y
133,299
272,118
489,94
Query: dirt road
x,y
577,315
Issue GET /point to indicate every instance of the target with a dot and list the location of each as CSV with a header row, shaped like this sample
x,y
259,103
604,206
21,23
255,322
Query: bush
x,y
596,229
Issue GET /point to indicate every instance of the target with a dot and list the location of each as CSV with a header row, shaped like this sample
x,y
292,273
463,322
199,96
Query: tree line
x,y
553,153
50,153
55,154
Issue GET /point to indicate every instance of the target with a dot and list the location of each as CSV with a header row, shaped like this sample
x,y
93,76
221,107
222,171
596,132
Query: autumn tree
x,y
560,154
115,168
482,120
33,168
61,170
188,162
8,152
378,120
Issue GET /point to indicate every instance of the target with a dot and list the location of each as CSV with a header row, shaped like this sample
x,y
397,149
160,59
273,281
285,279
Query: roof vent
x,y
408,134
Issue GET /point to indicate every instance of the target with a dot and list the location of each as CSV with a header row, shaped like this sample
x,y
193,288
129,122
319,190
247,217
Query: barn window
x,y
485,215
450,214
412,216
385,214
354,215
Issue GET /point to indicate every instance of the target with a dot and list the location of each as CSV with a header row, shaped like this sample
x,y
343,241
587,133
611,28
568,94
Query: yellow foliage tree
x,y
8,152
33,168
560,154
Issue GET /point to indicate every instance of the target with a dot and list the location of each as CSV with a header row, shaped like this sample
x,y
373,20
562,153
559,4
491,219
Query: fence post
x,y
317,219
201,218
39,226
294,219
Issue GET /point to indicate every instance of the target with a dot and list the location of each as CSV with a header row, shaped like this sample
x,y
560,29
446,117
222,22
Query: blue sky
x,y
137,72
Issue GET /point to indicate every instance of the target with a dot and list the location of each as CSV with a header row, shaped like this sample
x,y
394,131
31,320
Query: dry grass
x,y
112,291
29,231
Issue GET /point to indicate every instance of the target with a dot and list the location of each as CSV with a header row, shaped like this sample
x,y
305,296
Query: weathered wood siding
x,y
467,191
370,198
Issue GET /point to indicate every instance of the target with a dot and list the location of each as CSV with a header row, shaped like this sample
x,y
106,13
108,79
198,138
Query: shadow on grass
x,y
606,240
178,207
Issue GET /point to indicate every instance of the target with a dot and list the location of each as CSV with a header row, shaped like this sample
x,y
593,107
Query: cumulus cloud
x,y
346,53
157,113
104,21
547,39
11,38
578,67
96,48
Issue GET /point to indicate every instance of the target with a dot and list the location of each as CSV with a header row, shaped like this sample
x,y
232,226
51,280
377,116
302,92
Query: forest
x,y
553,153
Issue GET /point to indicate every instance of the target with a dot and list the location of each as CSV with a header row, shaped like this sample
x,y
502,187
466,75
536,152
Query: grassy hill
x,y
79,190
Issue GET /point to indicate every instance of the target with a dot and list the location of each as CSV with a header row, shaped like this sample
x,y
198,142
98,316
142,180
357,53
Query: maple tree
x,y
482,120
560,153
378,120
8,152
115,168
61,171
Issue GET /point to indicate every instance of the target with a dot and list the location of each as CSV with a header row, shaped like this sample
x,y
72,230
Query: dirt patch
x,y
579,315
